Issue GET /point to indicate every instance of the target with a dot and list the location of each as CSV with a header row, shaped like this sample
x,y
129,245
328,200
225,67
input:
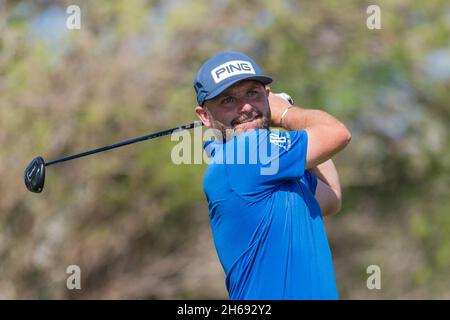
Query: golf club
x,y
34,174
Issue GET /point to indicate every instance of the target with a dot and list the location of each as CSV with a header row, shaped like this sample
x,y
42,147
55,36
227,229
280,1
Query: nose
x,y
246,107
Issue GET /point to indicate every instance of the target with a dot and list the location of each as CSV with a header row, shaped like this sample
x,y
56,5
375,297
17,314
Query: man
x,y
268,228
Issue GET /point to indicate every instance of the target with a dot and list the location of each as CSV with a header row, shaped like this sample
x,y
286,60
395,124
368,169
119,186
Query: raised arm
x,y
326,135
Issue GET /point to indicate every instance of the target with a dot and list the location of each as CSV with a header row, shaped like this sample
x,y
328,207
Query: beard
x,y
255,119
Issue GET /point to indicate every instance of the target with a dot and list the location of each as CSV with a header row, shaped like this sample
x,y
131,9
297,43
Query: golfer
x,y
267,226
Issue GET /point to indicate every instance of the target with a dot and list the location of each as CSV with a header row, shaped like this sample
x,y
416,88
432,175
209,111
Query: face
x,y
241,107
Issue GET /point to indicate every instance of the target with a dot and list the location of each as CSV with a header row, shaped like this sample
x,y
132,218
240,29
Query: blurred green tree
x,y
137,224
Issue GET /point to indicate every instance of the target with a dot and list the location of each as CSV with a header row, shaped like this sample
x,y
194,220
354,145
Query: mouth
x,y
247,120
250,123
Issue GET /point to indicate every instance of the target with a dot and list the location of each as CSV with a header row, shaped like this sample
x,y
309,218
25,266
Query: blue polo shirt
x,y
266,223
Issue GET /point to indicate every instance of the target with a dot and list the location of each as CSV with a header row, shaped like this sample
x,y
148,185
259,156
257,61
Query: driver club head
x,y
34,175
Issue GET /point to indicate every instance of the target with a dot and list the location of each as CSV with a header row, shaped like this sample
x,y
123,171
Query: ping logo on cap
x,y
231,68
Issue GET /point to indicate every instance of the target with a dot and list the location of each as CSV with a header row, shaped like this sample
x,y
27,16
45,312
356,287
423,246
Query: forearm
x,y
328,192
326,135
298,118
328,174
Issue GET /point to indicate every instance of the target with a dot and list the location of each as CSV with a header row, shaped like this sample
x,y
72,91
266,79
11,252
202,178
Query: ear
x,y
203,116
268,91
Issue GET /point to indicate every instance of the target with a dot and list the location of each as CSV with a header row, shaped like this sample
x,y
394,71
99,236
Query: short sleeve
x,y
310,181
281,156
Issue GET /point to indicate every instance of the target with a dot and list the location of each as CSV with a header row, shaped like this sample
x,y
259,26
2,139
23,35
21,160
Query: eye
x,y
252,93
226,100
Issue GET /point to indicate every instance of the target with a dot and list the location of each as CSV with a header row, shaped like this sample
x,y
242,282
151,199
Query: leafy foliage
x,y
135,223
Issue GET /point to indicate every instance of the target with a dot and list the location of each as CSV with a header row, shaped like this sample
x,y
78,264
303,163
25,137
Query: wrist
x,y
283,115
280,103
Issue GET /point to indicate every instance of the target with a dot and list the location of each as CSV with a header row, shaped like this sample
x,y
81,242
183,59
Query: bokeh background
x,y
136,224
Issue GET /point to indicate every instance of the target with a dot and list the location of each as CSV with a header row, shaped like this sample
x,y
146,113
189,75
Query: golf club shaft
x,y
126,142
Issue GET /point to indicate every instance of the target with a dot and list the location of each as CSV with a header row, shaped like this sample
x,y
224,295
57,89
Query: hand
x,y
277,106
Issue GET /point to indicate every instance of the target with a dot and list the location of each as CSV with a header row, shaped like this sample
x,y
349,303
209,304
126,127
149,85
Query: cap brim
x,y
217,91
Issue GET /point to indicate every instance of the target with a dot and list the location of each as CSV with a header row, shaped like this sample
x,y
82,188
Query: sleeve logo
x,y
280,140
